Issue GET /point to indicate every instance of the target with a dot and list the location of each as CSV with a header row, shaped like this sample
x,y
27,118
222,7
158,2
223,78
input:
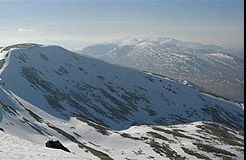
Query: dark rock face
x,y
1,130
56,145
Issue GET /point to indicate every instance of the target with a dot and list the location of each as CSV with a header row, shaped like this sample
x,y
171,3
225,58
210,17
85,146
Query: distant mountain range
x,y
210,67
103,111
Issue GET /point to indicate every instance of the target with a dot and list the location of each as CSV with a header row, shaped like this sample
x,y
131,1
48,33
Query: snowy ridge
x,y
210,67
98,112
221,55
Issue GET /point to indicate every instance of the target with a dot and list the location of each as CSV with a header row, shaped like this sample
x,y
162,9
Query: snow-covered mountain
x,y
210,67
102,111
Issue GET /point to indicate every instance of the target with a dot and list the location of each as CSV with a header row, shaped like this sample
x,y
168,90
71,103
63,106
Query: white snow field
x,y
103,111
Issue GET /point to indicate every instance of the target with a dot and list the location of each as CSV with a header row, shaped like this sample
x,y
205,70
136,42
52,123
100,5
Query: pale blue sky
x,y
74,23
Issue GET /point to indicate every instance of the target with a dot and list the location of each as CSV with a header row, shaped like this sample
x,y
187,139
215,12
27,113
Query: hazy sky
x,y
74,23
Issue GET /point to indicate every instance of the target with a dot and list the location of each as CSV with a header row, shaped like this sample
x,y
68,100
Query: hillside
x,y
102,111
210,67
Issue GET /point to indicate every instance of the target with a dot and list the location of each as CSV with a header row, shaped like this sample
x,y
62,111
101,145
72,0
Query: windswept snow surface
x,y
15,148
101,111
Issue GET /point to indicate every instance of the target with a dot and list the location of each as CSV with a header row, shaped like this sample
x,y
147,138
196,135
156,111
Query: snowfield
x,y
138,142
102,111
15,148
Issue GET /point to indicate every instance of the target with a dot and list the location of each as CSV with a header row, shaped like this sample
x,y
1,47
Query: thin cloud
x,y
25,30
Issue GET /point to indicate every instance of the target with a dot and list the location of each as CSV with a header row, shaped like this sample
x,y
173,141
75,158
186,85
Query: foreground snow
x,y
190,141
14,148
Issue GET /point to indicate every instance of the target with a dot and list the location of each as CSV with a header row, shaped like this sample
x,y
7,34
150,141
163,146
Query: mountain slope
x,y
207,66
116,97
47,92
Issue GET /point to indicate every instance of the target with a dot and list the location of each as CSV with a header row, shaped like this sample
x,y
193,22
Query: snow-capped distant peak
x,y
126,41
220,55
